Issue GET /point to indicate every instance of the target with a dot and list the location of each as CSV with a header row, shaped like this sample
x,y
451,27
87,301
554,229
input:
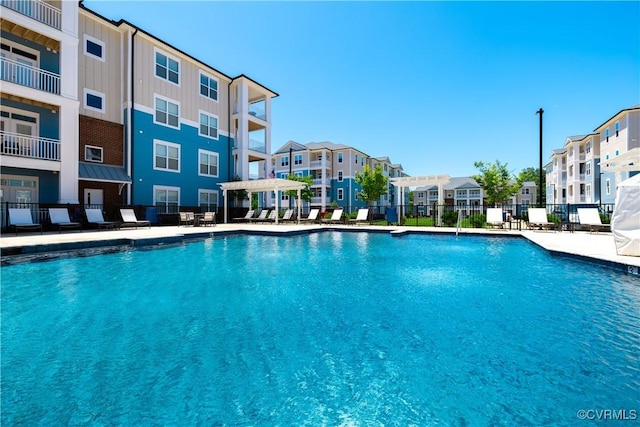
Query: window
x,y
283,196
167,68
298,173
340,193
339,157
588,169
617,127
208,200
355,194
208,125
93,100
607,186
617,152
356,159
284,161
588,192
93,47
93,154
297,159
166,199
208,162
339,176
606,134
166,156
208,87
525,191
167,112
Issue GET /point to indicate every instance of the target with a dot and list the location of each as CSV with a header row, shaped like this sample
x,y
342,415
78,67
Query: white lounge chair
x,y
247,217
363,216
21,219
261,217
591,218
313,216
60,218
129,219
538,219
336,217
94,216
494,217
288,216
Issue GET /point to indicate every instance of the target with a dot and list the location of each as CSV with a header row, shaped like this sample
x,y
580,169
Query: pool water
x,y
322,329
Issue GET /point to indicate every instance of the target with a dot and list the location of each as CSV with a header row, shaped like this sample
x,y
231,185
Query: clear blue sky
x,y
434,86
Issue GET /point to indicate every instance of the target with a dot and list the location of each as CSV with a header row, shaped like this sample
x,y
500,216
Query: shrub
x,y
477,220
449,218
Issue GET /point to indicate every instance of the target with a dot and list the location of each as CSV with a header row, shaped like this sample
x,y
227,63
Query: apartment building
x,y
101,112
462,192
390,170
39,108
575,174
333,168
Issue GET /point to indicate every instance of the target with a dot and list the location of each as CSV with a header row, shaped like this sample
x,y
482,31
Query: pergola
x,y
625,162
259,186
422,181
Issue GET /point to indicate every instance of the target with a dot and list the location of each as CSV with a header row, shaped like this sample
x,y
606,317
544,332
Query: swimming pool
x,y
323,329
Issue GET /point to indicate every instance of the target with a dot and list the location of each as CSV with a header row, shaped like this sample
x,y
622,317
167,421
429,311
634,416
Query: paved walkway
x,y
596,247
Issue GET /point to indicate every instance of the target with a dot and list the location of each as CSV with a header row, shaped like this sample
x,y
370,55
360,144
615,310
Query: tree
x,y
496,181
373,182
532,174
306,193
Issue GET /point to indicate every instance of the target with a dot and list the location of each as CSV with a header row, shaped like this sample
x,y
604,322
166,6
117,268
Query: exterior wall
x,y
187,180
105,76
101,133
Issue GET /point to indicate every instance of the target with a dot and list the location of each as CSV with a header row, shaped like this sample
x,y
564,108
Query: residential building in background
x,y
333,168
575,174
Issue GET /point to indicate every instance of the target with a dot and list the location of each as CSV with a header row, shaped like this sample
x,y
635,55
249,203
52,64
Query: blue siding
x,y
349,187
48,123
49,61
145,177
48,182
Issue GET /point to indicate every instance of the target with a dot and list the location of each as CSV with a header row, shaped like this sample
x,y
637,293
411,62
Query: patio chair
x,y
247,216
336,217
273,214
21,219
94,216
288,216
261,217
494,217
363,216
186,218
209,218
129,219
313,216
60,218
538,219
591,218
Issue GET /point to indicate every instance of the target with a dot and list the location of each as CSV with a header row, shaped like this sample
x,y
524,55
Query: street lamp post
x,y
540,112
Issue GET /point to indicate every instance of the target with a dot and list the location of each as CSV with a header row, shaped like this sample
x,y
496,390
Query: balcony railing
x,y
25,75
256,145
13,144
318,201
36,9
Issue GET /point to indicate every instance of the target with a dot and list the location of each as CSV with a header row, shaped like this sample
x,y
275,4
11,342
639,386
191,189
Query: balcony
x,y
318,201
24,75
33,147
257,145
13,144
257,109
36,9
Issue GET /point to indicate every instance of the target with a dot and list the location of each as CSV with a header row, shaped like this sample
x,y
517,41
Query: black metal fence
x,y
464,216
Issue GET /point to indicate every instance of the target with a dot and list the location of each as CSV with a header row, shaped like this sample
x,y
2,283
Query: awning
x,y
103,173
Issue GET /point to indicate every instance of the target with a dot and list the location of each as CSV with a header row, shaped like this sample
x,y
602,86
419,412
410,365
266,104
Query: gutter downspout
x,y
130,119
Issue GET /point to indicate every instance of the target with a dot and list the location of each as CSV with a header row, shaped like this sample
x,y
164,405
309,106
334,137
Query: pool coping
x,y
44,247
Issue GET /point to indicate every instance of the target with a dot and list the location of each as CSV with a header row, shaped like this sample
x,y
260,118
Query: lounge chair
x,y
313,216
21,219
494,217
208,218
591,218
268,218
60,218
288,216
248,216
129,219
261,217
538,219
336,217
94,216
186,218
363,216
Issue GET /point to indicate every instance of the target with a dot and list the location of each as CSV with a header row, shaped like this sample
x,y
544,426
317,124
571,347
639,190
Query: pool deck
x,y
584,246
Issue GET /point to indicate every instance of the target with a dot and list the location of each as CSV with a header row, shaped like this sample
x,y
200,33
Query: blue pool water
x,y
326,329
